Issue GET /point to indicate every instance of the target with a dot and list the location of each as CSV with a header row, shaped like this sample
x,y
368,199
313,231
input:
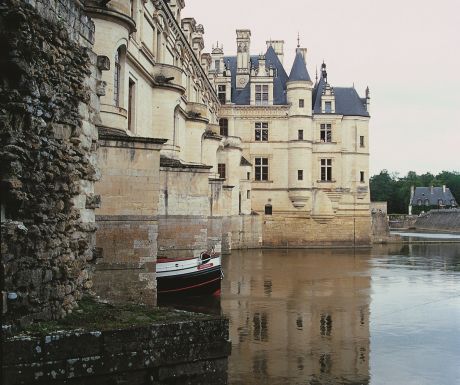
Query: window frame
x,y
261,94
222,170
328,107
361,141
325,132
261,169
301,103
223,126
300,135
222,93
299,174
261,131
326,170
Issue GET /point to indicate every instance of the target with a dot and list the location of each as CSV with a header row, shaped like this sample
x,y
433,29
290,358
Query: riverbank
x,y
102,343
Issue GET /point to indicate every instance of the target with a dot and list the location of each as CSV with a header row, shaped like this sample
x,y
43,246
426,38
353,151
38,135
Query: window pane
x,y
258,161
265,88
265,135
265,125
265,161
258,125
258,134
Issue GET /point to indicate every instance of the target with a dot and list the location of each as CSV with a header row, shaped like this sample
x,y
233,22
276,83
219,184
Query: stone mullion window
x,y
261,95
326,170
326,133
261,169
261,131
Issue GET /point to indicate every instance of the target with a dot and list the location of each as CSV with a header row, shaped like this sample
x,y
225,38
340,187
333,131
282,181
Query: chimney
x,y
278,47
444,188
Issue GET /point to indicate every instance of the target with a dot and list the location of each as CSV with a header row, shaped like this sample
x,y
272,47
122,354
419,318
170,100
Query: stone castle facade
x,y
182,150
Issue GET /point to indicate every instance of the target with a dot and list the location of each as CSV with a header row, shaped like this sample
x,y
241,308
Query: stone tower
x,y
299,97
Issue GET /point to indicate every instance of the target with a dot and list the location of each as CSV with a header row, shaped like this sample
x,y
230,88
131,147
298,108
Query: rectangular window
x,y
117,78
261,131
326,170
221,170
261,168
300,134
327,107
361,176
361,141
217,65
223,124
261,95
301,103
131,106
248,194
326,133
299,174
222,93
249,176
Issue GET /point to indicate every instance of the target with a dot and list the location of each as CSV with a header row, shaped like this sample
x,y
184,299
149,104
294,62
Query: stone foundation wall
x,y
181,236
127,219
306,232
380,226
48,139
241,232
439,220
179,353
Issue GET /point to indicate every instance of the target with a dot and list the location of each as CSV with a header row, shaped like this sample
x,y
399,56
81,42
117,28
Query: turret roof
x,y
299,69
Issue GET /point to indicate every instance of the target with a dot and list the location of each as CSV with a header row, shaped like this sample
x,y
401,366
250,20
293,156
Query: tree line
x,y
396,190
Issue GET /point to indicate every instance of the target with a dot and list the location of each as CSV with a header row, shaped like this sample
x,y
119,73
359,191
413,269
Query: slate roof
x,y
433,196
243,96
299,70
347,100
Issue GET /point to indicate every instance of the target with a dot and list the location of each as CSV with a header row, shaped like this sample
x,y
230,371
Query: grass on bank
x,y
93,315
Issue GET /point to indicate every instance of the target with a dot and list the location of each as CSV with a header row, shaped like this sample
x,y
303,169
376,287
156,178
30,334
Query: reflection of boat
x,y
190,276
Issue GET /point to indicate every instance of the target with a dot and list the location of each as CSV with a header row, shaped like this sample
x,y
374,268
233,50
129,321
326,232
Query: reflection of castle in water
x,y
298,316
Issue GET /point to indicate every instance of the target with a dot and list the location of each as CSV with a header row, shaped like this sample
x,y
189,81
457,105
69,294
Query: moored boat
x,y
191,276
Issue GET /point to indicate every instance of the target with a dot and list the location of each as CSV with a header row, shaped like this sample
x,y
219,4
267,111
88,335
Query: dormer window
x,y
222,93
217,65
328,107
262,95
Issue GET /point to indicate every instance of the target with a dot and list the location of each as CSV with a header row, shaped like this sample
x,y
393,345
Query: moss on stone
x,y
94,315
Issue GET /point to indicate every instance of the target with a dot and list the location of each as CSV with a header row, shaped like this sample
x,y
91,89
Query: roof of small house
x,y
433,195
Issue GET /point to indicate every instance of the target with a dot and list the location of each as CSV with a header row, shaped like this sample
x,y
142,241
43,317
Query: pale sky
x,y
406,51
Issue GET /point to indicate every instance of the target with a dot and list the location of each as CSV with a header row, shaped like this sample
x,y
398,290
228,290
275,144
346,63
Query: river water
x,y
387,315
390,315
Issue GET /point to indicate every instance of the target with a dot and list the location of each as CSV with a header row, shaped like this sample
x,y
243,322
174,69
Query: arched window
x,y
427,202
419,202
117,78
440,202
268,209
223,124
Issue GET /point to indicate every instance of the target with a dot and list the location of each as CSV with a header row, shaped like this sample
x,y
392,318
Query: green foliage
x,y
396,190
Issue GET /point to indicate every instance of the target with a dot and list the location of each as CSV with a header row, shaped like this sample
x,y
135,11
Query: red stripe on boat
x,y
191,287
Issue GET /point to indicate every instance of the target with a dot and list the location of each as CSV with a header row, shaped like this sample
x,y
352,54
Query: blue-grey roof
x,y
434,195
299,69
347,100
243,96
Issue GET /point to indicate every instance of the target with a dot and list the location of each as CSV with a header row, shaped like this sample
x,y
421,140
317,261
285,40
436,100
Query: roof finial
x,y
298,39
316,74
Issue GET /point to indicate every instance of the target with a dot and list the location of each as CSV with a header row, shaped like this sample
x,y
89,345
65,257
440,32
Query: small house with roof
x,y
307,141
427,198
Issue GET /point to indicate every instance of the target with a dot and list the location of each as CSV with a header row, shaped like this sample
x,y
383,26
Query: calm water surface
x,y
386,316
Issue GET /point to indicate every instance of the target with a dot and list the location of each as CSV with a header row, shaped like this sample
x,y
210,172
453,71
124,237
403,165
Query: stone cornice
x,y
260,112
110,14
172,23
